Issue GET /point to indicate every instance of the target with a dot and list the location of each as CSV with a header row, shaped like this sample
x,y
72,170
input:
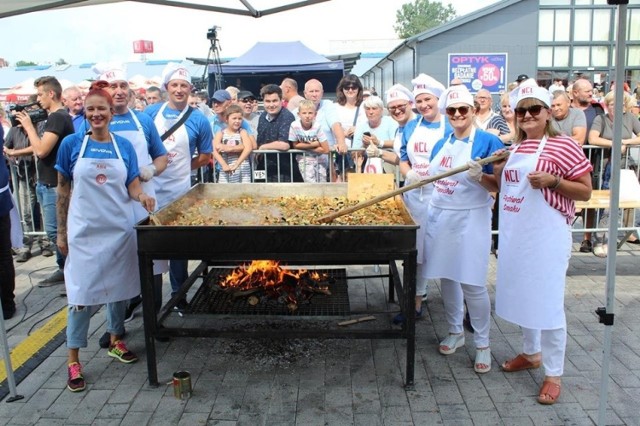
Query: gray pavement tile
x,y
546,417
631,421
136,418
517,421
454,412
309,417
610,419
190,419
113,411
50,422
128,388
169,411
91,405
447,394
227,403
146,401
367,419
396,415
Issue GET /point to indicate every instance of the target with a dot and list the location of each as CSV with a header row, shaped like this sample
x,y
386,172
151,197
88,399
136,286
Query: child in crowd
x,y
306,134
232,147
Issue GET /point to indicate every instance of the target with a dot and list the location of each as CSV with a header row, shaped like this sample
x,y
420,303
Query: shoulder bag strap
x,y
178,124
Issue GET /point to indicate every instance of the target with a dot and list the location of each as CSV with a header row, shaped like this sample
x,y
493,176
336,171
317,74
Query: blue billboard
x,y
479,70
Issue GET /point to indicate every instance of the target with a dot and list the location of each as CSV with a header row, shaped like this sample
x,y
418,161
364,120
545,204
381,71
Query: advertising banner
x,y
479,70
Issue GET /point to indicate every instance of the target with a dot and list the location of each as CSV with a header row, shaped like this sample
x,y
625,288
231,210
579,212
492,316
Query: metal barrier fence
x,y
284,166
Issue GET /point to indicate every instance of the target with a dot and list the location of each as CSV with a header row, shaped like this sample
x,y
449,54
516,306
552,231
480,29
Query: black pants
x,y
7,272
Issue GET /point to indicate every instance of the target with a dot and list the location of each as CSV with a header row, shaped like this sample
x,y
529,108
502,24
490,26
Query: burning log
x,y
266,280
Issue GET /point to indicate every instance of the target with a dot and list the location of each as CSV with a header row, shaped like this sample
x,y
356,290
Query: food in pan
x,y
298,210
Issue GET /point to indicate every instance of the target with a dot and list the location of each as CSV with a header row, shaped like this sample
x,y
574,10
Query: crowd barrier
x,y
24,176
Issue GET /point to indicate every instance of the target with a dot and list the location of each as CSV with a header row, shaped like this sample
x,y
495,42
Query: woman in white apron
x,y
418,140
541,179
458,234
96,229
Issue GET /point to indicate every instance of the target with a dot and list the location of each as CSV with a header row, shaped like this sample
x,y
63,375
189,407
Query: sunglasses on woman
x,y
533,110
463,110
350,88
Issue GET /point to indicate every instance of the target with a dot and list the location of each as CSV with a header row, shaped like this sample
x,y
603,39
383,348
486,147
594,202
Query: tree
x,y
414,18
61,62
25,64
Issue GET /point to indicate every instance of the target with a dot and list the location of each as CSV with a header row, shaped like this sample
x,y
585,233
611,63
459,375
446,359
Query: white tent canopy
x,y
19,7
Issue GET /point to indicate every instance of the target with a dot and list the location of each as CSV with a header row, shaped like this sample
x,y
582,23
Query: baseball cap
x,y
221,96
243,94
522,77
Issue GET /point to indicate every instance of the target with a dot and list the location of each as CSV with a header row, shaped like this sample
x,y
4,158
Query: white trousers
x,y
478,303
551,343
421,281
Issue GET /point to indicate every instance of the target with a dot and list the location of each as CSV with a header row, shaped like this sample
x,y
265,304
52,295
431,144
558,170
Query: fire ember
x,y
265,281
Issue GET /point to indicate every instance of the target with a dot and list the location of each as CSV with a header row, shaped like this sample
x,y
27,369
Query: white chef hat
x,y
455,95
398,92
529,89
175,71
110,71
426,84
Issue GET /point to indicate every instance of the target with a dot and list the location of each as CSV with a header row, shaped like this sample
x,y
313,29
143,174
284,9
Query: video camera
x,y
212,33
36,114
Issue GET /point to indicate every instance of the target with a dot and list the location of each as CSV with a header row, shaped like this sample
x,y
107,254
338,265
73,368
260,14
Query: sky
x,y
106,33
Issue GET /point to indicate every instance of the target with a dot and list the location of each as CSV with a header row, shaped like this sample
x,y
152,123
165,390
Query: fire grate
x,y
209,300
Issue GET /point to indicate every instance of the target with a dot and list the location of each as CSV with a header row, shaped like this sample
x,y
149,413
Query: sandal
x,y
519,363
600,250
452,342
549,392
483,357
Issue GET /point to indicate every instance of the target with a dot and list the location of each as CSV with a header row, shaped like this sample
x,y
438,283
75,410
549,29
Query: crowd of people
x,y
127,156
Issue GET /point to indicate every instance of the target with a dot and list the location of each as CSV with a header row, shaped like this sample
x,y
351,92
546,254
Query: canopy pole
x,y
607,314
11,379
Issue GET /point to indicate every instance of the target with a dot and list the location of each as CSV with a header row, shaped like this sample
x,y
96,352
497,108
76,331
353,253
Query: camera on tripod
x,y
36,114
212,33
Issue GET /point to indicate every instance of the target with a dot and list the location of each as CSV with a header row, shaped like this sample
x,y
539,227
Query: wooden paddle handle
x,y
386,195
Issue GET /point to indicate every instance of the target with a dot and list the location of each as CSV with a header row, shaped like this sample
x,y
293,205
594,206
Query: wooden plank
x,y
363,186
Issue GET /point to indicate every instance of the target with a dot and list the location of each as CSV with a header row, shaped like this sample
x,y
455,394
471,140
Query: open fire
x,y
266,281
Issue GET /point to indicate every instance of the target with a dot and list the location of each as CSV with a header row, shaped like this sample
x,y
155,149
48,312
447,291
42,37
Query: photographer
x,y
45,146
20,155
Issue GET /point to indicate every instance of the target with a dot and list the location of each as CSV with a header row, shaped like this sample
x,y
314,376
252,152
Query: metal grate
x,y
208,300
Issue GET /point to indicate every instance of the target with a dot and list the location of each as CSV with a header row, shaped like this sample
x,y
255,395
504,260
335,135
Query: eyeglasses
x,y
463,110
350,88
482,98
401,108
533,110
249,101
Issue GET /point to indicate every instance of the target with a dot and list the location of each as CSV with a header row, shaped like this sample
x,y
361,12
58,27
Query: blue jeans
x,y
178,274
47,197
79,317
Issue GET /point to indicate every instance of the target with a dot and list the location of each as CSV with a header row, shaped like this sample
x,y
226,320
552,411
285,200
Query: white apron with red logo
x,y
419,147
139,142
102,265
175,181
535,247
458,234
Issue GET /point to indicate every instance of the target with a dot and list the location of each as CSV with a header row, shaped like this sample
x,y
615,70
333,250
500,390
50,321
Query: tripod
x,y
213,57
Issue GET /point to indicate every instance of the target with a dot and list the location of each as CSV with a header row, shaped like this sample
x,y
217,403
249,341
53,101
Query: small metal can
x,y
182,384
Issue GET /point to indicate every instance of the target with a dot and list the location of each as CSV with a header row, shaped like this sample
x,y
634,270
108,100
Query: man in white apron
x,y
139,129
189,147
458,235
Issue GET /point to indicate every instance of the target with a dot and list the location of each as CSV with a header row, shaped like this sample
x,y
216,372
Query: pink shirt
x,y
563,157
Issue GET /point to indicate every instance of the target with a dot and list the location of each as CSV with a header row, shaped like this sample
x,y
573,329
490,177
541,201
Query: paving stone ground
x,y
341,382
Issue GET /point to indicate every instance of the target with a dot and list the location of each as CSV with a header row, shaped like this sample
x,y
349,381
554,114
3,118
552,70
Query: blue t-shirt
x,y
69,152
411,126
124,122
197,125
386,131
484,145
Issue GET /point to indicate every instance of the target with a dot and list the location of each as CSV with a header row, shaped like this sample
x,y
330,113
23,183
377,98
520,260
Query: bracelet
x,y
155,171
557,184
381,144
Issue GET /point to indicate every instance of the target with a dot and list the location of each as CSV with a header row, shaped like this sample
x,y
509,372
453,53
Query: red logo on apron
x,y
511,175
446,162
101,179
